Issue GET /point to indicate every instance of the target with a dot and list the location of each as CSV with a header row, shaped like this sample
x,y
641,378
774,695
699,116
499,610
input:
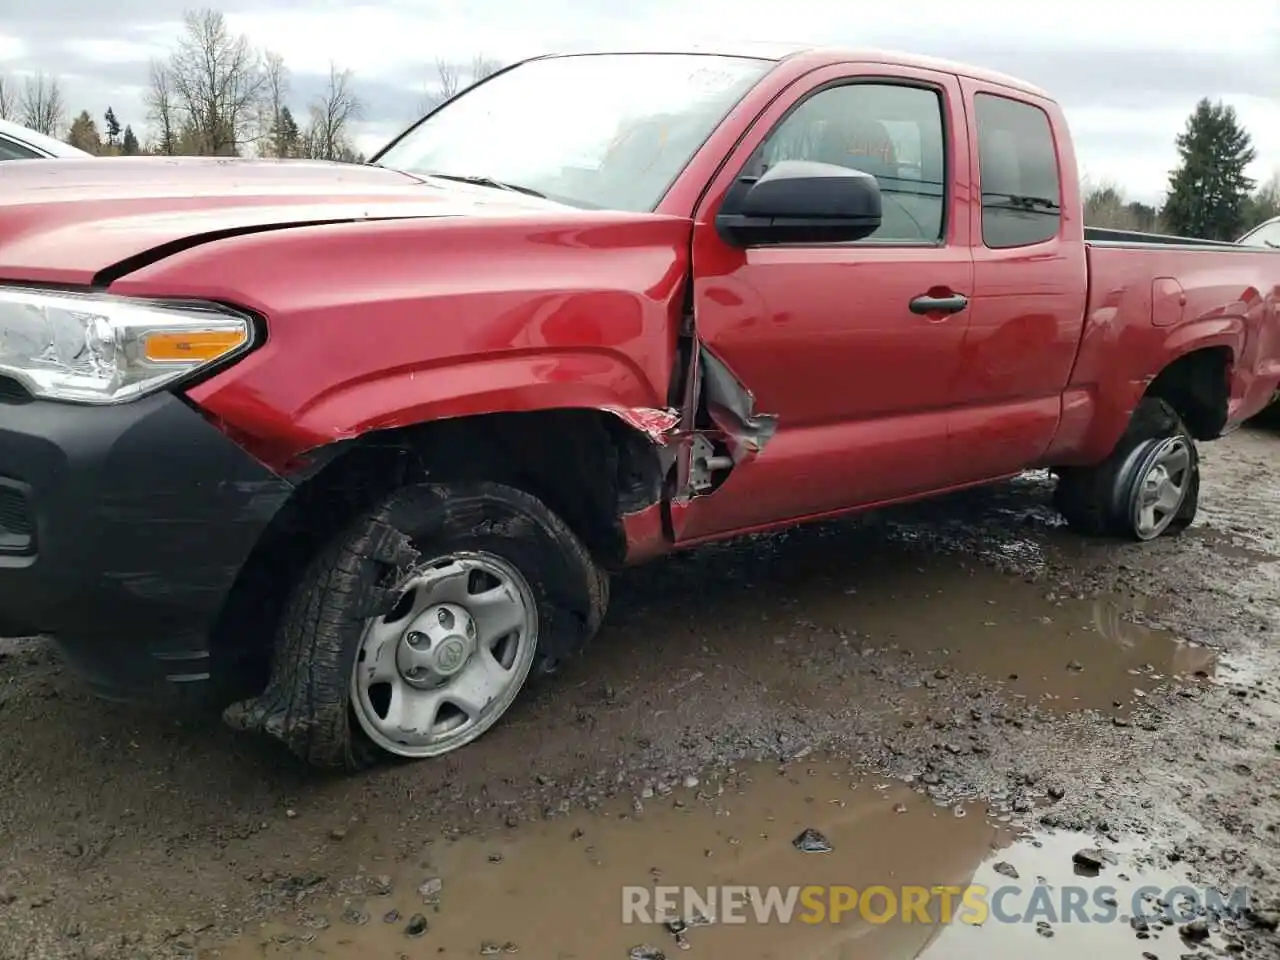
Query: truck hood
x,y
67,222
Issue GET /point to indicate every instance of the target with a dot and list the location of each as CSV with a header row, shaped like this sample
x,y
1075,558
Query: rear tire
x,y
1147,488
473,588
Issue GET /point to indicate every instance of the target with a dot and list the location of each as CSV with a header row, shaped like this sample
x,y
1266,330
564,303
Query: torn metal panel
x,y
733,407
657,424
722,427
717,428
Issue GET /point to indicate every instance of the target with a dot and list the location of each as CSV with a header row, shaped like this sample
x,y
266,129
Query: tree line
x,y
1208,195
215,94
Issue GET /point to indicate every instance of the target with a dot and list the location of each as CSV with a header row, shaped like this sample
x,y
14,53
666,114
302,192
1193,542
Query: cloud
x,y
1127,73
11,48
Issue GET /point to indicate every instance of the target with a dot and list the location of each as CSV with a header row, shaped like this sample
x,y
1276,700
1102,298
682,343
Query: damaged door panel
x,y
719,426
716,429
710,426
723,428
817,351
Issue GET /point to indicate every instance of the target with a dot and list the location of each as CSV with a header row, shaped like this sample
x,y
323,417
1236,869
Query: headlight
x,y
97,348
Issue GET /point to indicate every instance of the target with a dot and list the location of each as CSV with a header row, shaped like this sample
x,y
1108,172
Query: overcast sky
x,y
1127,71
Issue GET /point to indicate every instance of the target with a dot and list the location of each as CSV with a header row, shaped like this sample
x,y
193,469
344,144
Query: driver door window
x,y
892,131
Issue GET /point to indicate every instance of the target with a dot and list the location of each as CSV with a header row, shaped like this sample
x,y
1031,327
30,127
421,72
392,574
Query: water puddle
x,y
1055,651
728,850
857,587
1057,908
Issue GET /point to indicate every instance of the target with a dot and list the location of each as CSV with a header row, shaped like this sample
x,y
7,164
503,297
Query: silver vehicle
x,y
21,143
1265,234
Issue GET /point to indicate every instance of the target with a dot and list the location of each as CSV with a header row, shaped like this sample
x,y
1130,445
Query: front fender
x,y
408,396
539,381
376,325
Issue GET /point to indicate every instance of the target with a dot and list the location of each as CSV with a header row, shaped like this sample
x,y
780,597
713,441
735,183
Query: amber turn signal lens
x,y
191,345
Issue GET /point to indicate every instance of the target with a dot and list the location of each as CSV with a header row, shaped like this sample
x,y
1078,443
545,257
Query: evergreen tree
x,y
286,136
1209,193
112,125
84,134
129,146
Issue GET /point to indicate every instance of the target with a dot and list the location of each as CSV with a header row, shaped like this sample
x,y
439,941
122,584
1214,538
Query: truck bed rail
x,y
1103,236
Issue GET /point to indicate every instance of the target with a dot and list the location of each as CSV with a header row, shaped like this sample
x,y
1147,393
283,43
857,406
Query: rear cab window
x,y
893,131
1017,171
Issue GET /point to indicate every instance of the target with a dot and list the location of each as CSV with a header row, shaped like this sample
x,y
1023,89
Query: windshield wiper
x,y
1023,202
482,181
1273,246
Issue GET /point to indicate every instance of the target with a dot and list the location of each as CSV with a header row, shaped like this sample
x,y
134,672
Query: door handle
x,y
951,304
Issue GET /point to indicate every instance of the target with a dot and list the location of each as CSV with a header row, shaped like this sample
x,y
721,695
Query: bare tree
x,y
451,78
275,103
328,137
41,106
162,110
1266,202
447,84
482,67
1105,205
217,79
8,99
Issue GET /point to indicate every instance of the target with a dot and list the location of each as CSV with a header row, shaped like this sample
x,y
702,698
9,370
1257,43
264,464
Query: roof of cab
x,y
820,55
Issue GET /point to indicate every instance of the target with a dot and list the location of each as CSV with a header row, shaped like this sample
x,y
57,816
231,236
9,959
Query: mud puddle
x,y
727,851
1058,652
875,591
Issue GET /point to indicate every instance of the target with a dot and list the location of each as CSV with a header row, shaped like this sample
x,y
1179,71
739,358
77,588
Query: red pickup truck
x,y
372,437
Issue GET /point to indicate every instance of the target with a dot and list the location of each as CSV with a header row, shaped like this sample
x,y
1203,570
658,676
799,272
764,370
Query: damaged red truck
x,y
373,437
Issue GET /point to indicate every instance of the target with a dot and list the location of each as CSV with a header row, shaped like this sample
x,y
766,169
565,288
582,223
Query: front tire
x,y
1147,488
422,621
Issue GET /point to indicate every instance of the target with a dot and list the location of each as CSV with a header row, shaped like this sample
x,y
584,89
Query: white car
x,y
1264,235
21,143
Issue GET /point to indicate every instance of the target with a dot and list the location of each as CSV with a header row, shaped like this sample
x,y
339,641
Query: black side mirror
x,y
799,201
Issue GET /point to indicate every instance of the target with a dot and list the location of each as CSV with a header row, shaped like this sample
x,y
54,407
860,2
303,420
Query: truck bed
x,y
1221,296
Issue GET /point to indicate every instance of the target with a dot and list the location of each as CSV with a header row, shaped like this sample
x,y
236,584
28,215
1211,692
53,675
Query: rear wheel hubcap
x,y
1163,488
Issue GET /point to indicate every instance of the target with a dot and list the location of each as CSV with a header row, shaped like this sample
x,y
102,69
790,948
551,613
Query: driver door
x,y
833,340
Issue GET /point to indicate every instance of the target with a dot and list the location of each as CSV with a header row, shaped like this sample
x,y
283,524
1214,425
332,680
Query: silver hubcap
x,y
445,664
1162,489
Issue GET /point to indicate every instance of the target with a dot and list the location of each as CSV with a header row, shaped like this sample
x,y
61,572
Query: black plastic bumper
x,y
122,531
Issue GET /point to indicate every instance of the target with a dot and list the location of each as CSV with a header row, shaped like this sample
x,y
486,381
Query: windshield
x,y
1267,235
593,131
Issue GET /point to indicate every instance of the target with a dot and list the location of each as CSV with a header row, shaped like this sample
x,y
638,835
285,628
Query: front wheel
x,y
1148,487
422,622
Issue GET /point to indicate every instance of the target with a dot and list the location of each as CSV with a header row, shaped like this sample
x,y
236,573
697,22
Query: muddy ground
x,y
953,693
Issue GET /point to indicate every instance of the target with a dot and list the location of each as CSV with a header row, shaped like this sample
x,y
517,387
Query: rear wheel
x,y
422,622
1148,487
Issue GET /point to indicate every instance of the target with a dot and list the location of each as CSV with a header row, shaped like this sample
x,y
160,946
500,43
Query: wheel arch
x,y
592,467
1197,385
